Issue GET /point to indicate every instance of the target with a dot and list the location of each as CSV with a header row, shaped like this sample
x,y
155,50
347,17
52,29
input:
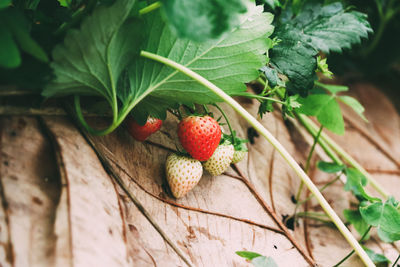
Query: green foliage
x,y
257,259
91,59
273,4
201,20
271,75
316,28
295,59
105,71
227,62
14,35
238,143
323,68
377,258
249,255
4,3
330,167
384,216
354,104
356,182
326,109
354,217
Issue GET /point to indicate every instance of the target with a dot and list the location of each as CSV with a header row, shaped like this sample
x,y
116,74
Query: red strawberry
x,y
141,132
199,136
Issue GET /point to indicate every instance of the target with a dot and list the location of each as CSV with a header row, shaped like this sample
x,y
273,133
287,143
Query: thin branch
x,y
274,216
175,204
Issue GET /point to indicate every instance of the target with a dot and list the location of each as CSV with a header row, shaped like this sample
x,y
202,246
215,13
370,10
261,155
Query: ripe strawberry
x,y
238,156
220,160
141,132
183,173
199,136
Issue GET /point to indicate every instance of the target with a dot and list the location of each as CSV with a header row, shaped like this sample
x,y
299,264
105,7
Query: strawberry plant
x,y
139,60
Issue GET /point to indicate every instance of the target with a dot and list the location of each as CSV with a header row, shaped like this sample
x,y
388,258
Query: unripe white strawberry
x,y
183,173
238,156
220,160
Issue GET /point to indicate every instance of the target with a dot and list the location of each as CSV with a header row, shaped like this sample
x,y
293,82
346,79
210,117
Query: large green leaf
x,y
91,59
296,59
331,27
316,28
228,62
201,20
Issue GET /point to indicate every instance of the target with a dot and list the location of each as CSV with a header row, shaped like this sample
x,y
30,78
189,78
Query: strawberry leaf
x,y
376,257
91,59
228,62
384,216
354,104
354,217
316,28
326,109
330,167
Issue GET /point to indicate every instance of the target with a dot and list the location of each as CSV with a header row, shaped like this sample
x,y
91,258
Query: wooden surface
x,y
70,199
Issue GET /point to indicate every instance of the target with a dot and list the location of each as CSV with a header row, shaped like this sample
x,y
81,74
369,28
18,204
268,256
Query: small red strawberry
x,y
183,173
220,160
141,132
199,136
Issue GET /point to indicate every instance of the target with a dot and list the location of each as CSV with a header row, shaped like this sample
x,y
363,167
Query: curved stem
x,y
274,142
227,121
150,8
82,120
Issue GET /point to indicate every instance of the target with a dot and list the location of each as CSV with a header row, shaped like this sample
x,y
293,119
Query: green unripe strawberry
x,y
238,156
220,160
183,173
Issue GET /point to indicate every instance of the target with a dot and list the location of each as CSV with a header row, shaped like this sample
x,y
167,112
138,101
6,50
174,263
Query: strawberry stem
x,y
227,121
274,142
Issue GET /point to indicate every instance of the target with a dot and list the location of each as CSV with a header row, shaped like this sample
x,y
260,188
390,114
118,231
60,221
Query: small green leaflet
x,y
257,259
356,182
330,167
376,257
201,20
354,217
354,104
384,216
316,28
228,63
249,255
326,109
348,100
